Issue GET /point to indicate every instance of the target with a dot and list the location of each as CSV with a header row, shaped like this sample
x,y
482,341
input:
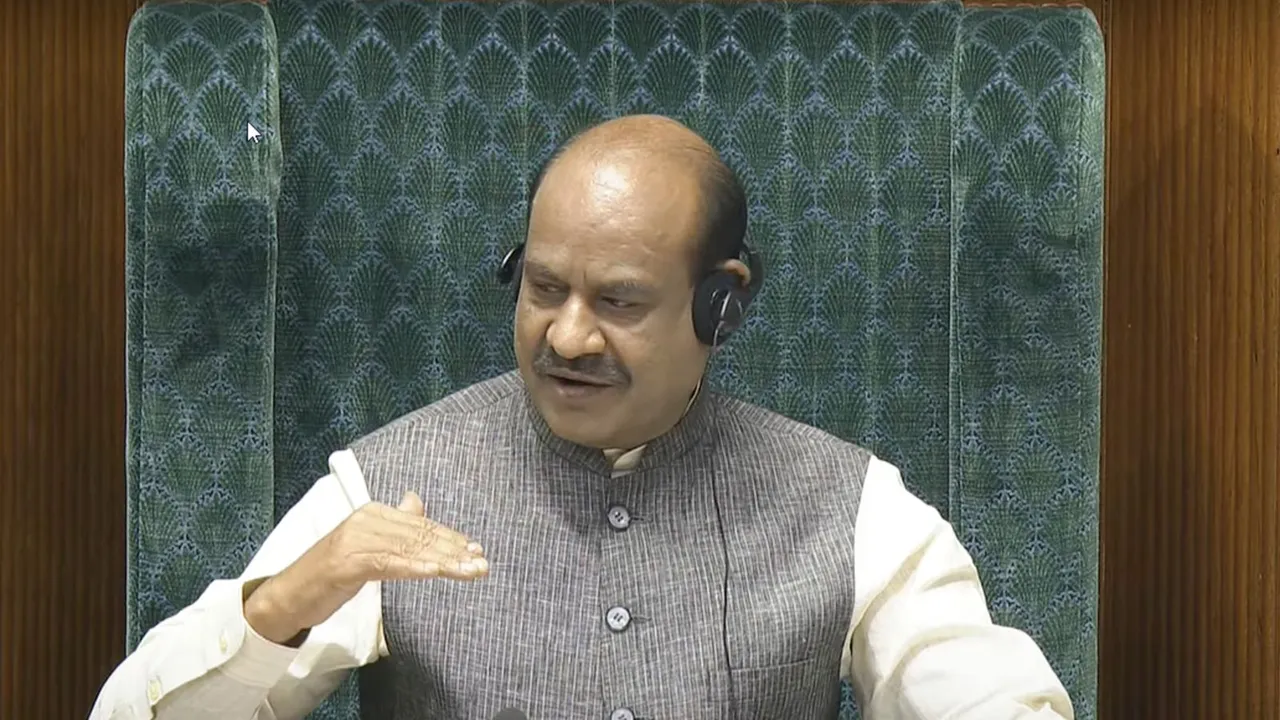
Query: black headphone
x,y
720,300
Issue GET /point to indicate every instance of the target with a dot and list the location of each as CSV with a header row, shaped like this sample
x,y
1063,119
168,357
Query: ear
x,y
739,268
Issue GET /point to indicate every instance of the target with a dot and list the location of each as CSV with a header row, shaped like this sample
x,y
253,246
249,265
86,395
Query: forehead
x,y
615,222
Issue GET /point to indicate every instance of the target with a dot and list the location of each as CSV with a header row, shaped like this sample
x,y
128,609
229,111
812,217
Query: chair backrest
x,y
319,193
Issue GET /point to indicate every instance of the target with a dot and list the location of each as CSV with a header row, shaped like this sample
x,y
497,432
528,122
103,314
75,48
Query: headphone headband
x,y
756,266
511,265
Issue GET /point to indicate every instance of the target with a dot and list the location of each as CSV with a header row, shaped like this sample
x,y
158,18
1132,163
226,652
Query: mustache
x,y
600,368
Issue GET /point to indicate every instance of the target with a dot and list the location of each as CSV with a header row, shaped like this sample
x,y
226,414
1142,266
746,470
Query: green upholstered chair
x,y
319,192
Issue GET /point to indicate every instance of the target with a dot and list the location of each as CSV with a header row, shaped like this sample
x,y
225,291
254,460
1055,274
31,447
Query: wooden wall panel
x,y
62,500
1190,508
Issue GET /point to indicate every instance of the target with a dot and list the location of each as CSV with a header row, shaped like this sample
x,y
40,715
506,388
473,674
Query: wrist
x,y
268,614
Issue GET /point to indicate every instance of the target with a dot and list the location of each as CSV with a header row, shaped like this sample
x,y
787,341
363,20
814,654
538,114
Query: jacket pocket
x,y
800,690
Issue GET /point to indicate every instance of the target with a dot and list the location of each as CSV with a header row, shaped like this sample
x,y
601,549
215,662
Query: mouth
x,y
571,386
569,379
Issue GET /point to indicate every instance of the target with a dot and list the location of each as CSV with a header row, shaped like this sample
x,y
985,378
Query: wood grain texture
x,y
62,499
1191,449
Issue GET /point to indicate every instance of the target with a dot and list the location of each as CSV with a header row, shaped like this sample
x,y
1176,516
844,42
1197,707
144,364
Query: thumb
x,y
411,503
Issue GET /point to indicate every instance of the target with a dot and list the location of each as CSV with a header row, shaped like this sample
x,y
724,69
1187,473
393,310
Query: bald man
x,y
602,537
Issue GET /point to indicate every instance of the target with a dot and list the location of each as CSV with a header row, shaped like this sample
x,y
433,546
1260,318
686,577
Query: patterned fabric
x,y
201,242
664,654
1026,262
412,130
926,189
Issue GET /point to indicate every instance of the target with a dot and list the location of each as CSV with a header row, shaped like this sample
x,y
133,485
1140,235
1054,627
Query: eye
x,y
618,304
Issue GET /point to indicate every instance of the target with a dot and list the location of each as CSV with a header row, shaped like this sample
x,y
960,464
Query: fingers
x,y
412,504
469,569
404,526
401,543
453,538
393,566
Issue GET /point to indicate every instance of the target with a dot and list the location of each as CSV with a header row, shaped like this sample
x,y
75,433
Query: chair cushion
x,y
201,241
1026,324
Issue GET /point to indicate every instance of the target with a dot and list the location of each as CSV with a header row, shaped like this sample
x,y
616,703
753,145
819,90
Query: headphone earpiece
x,y
718,307
720,301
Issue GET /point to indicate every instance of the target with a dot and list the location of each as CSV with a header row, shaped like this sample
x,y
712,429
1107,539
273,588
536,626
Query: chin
x,y
579,431
594,441
575,424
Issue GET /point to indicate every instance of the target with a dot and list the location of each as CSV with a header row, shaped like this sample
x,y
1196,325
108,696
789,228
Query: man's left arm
x,y
922,645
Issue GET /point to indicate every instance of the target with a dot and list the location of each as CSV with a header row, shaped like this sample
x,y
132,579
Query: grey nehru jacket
x,y
605,595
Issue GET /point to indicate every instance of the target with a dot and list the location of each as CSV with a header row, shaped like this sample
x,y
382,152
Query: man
x,y
650,549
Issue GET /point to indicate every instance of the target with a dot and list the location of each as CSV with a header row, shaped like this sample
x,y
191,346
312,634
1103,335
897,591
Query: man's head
x,y
623,223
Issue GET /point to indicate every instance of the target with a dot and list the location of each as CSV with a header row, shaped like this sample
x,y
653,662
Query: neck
x,y
692,398
684,435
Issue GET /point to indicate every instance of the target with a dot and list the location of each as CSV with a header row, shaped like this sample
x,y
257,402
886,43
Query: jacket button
x,y
619,518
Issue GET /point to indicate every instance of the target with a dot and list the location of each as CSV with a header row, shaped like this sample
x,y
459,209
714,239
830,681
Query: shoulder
x,y
776,438
471,409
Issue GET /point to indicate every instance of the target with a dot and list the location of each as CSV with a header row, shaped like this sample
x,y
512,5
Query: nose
x,y
574,333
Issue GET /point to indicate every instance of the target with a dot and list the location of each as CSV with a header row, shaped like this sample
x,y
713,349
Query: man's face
x,y
603,329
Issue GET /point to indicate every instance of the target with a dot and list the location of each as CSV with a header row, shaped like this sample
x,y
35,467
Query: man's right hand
x,y
375,543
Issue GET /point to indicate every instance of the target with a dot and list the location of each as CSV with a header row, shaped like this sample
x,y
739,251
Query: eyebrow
x,y
538,270
627,287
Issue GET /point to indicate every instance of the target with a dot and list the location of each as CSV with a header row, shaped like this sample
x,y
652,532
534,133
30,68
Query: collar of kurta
x,y
615,462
